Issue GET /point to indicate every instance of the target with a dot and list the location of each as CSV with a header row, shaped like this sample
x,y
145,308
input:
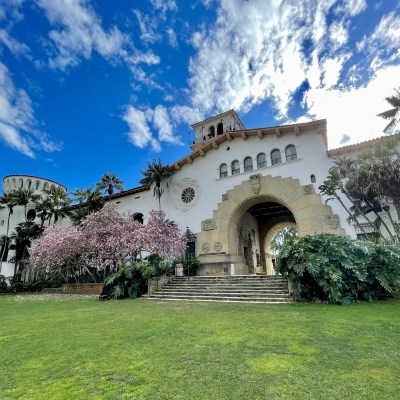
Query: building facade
x,y
237,188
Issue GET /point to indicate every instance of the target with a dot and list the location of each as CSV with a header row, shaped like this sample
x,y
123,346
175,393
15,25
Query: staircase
x,y
239,288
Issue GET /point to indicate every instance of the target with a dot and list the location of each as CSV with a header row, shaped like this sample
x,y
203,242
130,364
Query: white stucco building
x,y
236,188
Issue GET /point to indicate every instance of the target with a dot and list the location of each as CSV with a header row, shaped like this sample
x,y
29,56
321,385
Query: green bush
x,y
126,282
339,270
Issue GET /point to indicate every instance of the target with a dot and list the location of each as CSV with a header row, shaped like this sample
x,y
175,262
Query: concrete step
x,y
220,294
238,288
222,289
264,299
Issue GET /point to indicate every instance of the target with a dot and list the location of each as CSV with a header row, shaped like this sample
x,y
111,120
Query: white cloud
x,y
13,45
164,6
338,34
165,128
383,43
17,120
172,37
148,27
258,51
352,111
77,33
352,7
140,134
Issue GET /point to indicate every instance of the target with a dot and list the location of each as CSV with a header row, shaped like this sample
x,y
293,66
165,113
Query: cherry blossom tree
x,y
104,241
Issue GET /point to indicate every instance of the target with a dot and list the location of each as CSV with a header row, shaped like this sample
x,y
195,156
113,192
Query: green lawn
x,y
142,349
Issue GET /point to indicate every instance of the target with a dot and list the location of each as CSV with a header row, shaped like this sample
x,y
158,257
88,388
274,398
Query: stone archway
x,y
218,243
267,243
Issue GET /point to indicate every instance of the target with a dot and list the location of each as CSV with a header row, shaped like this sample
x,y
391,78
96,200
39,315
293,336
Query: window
x,y
223,171
312,177
261,161
37,185
291,153
31,215
188,195
45,186
276,157
29,184
235,167
138,217
248,164
220,129
211,131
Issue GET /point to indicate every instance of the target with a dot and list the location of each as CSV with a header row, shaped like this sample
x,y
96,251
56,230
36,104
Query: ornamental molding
x,y
179,188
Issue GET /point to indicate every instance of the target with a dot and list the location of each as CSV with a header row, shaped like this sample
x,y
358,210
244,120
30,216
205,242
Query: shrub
x,y
126,282
338,269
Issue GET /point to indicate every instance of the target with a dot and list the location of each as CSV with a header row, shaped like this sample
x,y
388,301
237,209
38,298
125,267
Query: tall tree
x,y
23,197
8,201
58,202
155,174
89,201
109,182
393,113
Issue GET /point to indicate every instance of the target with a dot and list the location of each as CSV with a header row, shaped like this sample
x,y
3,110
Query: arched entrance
x,y
268,253
253,227
220,249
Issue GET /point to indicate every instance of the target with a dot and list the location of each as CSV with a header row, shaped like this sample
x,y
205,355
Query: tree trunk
x,y
7,240
351,215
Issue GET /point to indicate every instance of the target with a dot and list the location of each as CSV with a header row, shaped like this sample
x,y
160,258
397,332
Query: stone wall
x,y
156,283
82,288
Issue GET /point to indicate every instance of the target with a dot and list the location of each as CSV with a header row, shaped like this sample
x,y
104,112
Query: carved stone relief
x,y
308,189
209,224
255,183
206,247
224,197
217,246
332,220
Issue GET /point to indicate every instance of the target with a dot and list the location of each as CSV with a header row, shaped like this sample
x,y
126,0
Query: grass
x,y
142,349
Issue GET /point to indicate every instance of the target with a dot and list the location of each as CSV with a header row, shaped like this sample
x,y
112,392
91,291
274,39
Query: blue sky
x,y
88,87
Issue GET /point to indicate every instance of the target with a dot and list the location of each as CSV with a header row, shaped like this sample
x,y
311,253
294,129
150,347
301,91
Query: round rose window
x,y
188,194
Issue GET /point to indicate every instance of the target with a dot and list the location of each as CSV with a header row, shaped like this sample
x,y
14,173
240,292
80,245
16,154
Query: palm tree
x,y
156,173
24,233
23,197
8,201
110,181
394,113
58,201
89,201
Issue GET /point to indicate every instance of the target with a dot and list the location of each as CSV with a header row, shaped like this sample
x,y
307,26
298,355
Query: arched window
x,y
276,157
29,184
261,161
45,186
37,185
312,177
223,171
235,166
220,129
248,164
138,217
291,153
20,183
14,183
211,131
